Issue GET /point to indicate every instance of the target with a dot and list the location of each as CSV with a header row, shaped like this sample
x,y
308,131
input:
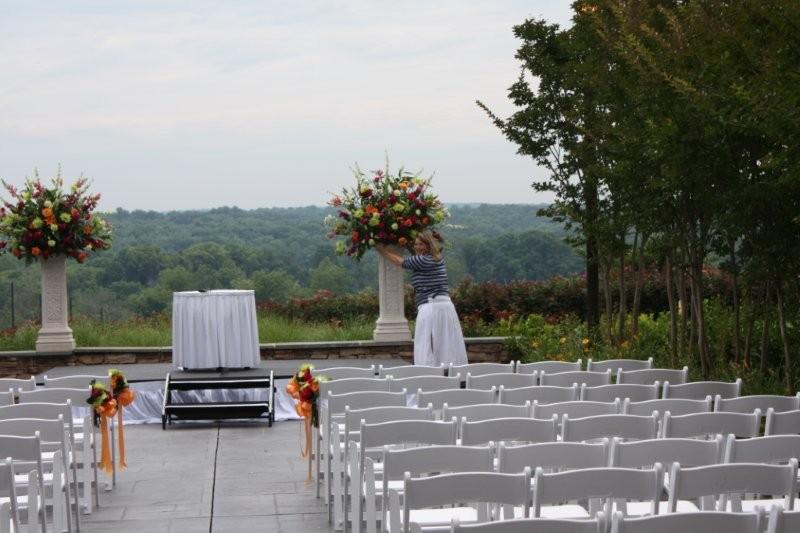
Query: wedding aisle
x,y
211,477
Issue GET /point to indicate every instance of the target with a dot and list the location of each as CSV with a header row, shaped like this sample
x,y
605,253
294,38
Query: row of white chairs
x,y
596,470
743,425
46,415
481,429
540,373
779,521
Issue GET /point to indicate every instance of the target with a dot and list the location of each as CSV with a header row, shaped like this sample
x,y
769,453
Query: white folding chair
x,y
481,488
608,485
21,384
576,409
77,397
518,430
82,456
347,372
698,390
675,406
651,375
629,427
783,423
408,371
537,525
26,452
769,449
343,470
78,381
552,456
455,397
645,453
551,367
9,516
782,521
565,379
508,380
332,411
619,364
53,479
6,398
374,439
420,461
702,425
479,369
486,411
720,486
625,391
426,383
747,404
539,393
707,522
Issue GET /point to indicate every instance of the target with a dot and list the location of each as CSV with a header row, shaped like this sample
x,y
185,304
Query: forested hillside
x,y
279,252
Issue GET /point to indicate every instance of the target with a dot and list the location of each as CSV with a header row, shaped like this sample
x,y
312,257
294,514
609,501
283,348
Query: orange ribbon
x,y
124,399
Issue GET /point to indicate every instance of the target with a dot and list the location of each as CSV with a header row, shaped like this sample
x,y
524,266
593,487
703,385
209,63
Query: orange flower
x,y
403,185
125,398
292,388
370,209
108,408
402,241
88,229
47,212
35,251
314,385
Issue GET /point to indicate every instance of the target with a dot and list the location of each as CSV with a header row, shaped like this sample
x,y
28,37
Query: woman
x,y
437,336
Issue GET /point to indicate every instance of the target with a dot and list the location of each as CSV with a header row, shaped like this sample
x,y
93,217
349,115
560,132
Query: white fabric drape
x,y
214,329
437,335
146,409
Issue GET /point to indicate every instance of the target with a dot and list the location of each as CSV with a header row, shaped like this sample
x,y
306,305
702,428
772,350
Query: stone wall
x,y
25,364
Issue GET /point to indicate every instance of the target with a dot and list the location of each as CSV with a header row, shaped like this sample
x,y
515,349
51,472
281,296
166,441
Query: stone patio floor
x,y
214,477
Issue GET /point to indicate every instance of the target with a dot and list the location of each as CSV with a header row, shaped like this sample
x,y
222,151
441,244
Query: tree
x,y
274,285
331,276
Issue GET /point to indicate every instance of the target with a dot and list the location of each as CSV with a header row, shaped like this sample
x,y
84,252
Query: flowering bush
x,y
386,209
39,222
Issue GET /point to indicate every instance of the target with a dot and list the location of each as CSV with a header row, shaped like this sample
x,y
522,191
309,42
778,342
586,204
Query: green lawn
x,y
157,331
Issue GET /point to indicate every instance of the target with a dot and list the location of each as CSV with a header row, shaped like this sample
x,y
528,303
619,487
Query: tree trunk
x,y
637,288
609,303
737,312
765,332
787,360
623,307
683,304
699,318
673,315
751,321
592,258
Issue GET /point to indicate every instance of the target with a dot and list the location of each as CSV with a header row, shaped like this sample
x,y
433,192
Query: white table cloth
x,y
214,329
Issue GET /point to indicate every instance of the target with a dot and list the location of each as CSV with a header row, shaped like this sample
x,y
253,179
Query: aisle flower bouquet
x,y
38,222
383,209
304,387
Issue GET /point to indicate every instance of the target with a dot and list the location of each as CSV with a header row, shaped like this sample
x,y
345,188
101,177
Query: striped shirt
x,y
428,276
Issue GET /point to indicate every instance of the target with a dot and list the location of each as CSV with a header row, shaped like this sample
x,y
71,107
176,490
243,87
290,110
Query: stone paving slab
x,y
212,477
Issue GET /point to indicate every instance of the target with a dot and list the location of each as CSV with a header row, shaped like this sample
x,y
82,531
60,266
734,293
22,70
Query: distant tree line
x,y
281,253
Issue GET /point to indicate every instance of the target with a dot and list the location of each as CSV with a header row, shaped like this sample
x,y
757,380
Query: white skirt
x,y
437,336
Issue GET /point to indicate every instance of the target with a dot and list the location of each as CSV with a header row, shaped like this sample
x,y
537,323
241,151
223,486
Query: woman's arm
x,y
391,256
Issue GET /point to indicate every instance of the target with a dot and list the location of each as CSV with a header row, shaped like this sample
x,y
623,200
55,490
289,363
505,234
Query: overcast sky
x,y
199,104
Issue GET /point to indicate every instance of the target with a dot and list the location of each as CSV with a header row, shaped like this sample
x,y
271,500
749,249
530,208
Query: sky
x,y
196,104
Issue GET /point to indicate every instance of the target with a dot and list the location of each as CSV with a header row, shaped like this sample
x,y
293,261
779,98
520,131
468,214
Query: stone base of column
x,y
391,331
55,341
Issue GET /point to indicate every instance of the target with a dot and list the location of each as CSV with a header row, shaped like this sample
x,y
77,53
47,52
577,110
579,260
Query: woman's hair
x,y
432,241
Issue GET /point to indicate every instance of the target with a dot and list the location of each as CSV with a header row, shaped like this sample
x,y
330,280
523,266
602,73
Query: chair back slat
x,y
675,406
486,411
408,371
629,391
455,397
553,456
783,423
651,375
576,409
529,430
487,381
551,367
699,390
479,369
747,404
426,383
347,372
619,364
565,379
596,427
714,423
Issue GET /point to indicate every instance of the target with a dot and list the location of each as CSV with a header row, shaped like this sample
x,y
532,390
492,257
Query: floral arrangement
x,y
383,209
304,387
108,402
39,222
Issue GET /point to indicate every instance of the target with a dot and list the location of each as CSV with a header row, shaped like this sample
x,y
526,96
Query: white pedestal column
x,y
55,335
392,324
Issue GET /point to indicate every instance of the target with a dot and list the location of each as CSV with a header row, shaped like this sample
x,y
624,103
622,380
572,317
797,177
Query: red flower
x,y
354,236
3,244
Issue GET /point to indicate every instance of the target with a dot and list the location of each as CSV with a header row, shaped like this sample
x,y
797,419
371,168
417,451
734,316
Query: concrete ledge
x,y
28,362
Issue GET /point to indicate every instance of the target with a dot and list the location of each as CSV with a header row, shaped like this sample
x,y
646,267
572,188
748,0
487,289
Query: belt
x,y
433,298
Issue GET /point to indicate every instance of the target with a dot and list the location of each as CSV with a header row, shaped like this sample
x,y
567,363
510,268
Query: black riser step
x,y
202,411
196,384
